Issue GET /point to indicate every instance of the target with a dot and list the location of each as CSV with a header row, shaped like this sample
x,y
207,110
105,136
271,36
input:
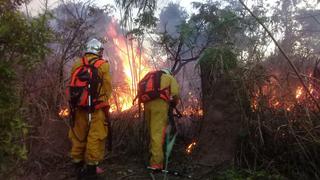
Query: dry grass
x,y
275,138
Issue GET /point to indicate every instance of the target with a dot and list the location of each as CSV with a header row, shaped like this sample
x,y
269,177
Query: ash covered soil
x,y
120,166
48,156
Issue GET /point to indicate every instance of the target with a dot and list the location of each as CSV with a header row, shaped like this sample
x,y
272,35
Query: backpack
x,y
85,81
149,88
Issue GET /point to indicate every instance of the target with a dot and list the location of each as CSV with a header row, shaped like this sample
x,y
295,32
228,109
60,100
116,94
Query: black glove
x,y
173,103
106,111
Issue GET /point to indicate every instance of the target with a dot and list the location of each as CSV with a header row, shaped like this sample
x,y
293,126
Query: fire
x,y
189,111
113,108
191,147
200,112
271,96
193,106
134,67
254,103
299,92
130,67
276,104
64,113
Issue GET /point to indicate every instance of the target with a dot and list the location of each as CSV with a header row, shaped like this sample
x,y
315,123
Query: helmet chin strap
x,y
101,53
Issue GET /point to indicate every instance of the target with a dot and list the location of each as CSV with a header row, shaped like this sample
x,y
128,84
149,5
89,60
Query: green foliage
x,y
22,45
219,58
145,11
6,81
220,24
23,41
146,19
234,174
13,131
6,5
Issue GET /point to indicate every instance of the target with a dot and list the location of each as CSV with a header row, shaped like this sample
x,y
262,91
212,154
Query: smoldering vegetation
x,y
245,109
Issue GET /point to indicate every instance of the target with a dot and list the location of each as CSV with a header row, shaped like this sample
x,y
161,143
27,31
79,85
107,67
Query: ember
x,y
191,147
299,92
193,106
64,113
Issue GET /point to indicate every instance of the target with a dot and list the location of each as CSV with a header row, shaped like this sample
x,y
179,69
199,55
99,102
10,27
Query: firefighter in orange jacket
x,y
156,113
88,138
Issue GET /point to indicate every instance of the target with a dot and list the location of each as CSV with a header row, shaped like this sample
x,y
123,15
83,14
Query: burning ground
x,y
202,144
129,155
245,112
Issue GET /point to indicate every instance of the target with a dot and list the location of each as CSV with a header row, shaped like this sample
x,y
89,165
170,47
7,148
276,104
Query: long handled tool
x,y
89,101
171,135
109,129
170,172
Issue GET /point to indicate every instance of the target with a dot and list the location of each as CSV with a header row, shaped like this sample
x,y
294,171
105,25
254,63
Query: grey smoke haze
x,y
69,15
170,18
86,22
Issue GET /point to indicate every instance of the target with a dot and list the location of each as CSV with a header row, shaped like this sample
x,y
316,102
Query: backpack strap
x,y
85,60
99,104
157,80
148,86
98,63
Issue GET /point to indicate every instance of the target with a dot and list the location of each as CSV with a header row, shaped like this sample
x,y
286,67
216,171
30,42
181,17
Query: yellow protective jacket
x,y
156,114
168,80
88,141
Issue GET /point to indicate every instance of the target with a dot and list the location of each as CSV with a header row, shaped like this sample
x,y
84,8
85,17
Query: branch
x,y
68,10
180,66
165,44
283,53
177,57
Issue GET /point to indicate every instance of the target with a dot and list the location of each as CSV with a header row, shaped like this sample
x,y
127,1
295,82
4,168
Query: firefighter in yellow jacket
x,y
157,90
89,106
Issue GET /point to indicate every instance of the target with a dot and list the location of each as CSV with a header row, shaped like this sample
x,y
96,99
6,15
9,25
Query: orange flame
x,y
299,92
272,96
254,102
193,106
191,147
64,113
200,112
134,65
189,111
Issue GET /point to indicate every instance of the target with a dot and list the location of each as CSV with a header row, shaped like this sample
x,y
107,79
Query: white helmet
x,y
94,47
167,71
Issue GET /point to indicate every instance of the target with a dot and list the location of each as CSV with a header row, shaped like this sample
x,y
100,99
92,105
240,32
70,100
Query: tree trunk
x,y
221,121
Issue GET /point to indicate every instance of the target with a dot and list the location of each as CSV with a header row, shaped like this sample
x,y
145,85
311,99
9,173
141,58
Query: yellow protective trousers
x,y
156,115
94,135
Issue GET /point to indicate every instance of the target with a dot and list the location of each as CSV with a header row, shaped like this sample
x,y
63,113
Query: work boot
x,y
78,169
155,167
91,173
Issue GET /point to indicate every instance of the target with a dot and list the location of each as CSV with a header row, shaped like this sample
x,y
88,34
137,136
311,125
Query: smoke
x,y
171,17
170,20
309,21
